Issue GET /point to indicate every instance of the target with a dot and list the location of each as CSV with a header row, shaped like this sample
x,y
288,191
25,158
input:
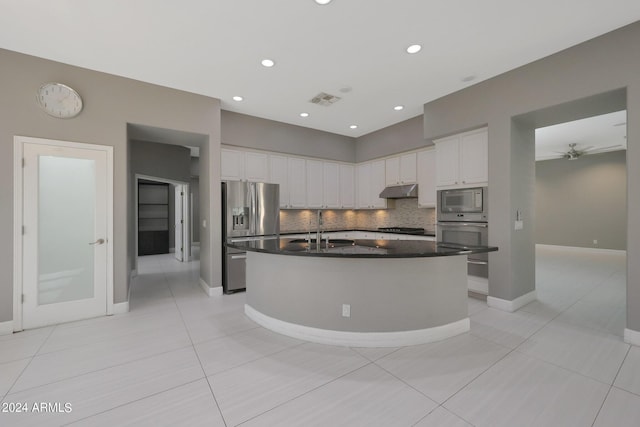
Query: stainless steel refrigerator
x,y
250,210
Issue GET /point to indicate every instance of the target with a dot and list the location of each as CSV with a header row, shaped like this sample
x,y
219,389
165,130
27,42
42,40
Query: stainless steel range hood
x,y
400,192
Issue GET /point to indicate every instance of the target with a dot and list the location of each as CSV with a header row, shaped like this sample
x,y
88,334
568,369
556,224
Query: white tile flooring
x,y
181,358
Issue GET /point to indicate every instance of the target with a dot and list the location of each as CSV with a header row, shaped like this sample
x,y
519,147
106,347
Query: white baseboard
x,y
632,337
121,307
359,339
511,306
581,249
6,328
212,292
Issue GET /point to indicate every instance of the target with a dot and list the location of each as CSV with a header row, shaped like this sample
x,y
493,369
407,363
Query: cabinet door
x,y
427,178
297,179
447,159
408,173
347,187
392,171
279,174
474,158
314,184
363,183
231,165
377,180
330,185
255,167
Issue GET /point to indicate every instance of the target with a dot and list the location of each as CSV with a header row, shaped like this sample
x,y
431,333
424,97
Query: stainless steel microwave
x,y
463,204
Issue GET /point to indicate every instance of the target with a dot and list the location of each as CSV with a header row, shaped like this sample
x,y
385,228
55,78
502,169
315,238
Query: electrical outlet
x,y
595,241
519,225
346,310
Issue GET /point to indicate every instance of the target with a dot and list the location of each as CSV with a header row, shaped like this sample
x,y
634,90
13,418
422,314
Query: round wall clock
x,y
59,100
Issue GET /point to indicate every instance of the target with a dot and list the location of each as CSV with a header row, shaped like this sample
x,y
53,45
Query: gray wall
x,y
253,132
403,136
166,161
194,188
581,200
601,65
110,103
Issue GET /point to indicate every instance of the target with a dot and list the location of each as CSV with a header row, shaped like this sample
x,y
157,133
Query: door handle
x,y
97,242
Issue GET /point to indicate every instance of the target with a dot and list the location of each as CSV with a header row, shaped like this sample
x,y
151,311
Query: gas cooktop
x,y
403,230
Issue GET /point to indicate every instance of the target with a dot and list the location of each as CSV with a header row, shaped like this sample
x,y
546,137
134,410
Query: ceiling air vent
x,y
324,99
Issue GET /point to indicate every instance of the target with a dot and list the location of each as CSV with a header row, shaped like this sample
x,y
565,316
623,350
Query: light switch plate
x,y
519,225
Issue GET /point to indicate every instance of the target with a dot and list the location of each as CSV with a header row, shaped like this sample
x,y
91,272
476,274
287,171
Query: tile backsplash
x,y
406,213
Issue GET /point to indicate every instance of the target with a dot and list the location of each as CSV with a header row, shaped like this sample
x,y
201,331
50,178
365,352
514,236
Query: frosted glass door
x,y
65,234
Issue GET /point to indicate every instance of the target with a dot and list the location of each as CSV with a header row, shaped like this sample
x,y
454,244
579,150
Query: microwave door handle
x,y
463,224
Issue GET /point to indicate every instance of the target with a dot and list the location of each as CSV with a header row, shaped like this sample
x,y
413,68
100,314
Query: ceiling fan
x,y
573,154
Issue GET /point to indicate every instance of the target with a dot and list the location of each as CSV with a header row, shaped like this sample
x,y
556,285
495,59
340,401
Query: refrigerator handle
x,y
253,214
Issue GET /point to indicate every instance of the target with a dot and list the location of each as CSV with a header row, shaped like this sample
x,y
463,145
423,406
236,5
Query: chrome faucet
x,y
319,229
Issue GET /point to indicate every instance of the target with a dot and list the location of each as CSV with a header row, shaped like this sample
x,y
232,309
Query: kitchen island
x,y
361,293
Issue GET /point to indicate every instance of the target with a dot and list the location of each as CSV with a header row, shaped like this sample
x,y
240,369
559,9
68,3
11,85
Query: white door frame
x,y
185,208
18,145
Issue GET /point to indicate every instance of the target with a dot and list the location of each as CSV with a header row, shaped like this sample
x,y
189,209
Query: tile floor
x,y
181,358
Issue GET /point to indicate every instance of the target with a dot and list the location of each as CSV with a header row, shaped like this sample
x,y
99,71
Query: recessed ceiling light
x,y
354,126
468,79
238,98
398,107
323,1
267,63
304,114
414,48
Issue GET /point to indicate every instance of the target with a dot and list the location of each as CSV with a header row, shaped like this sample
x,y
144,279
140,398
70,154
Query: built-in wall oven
x,y
462,220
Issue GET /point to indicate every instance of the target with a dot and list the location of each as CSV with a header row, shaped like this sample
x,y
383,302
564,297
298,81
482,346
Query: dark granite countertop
x,y
368,230
346,248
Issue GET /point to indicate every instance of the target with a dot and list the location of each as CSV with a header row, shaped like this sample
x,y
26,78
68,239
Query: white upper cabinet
x,y
279,174
297,180
401,169
371,181
474,158
363,179
392,171
240,165
378,184
314,184
408,174
330,185
426,163
448,161
256,167
347,186
231,165
462,160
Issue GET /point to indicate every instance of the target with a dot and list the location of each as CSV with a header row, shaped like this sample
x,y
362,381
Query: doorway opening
x,y
579,254
167,160
163,217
